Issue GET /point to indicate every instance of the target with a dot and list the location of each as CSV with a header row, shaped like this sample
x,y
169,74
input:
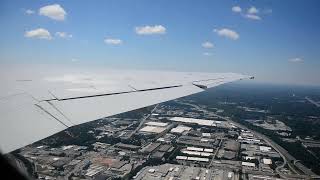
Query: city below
x,y
180,139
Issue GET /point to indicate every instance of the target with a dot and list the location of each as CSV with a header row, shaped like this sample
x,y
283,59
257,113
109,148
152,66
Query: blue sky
x,y
276,41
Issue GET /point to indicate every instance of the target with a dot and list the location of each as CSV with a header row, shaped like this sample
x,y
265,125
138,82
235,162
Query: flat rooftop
x,y
180,129
153,129
203,122
153,123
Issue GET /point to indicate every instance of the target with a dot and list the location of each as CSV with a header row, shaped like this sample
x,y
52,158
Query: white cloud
x,y
63,35
253,16
113,41
228,33
148,30
207,44
54,11
74,60
29,11
295,60
39,33
253,10
207,54
236,9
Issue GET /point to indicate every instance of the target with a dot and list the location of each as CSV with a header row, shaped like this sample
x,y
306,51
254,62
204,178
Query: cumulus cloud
x,y
207,54
228,33
253,10
39,33
252,13
236,9
54,11
63,35
253,16
29,11
113,41
295,60
207,44
148,30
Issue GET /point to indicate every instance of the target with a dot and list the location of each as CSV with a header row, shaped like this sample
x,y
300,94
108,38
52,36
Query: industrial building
x,y
180,129
172,171
152,129
153,123
202,122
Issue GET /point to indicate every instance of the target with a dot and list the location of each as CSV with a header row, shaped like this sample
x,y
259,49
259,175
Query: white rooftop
x,y
248,164
267,161
152,123
194,149
206,134
67,147
153,129
208,150
190,158
264,148
182,157
205,154
180,129
203,122
192,153
198,159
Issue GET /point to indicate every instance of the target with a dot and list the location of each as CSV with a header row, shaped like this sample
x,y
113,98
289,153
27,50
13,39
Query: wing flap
x,y
78,92
82,110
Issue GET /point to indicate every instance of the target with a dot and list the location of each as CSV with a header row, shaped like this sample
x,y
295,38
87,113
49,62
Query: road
x,y
312,101
142,121
287,158
213,157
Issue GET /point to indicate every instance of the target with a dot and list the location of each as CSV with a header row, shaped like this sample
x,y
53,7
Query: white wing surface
x,y
37,102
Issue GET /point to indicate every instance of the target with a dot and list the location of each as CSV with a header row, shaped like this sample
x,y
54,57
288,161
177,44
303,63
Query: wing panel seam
x,y
51,115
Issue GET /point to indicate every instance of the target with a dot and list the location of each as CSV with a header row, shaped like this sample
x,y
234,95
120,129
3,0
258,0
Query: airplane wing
x,y
37,102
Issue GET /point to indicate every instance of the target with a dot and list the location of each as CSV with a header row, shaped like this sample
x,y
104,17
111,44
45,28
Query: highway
x,y
312,101
287,158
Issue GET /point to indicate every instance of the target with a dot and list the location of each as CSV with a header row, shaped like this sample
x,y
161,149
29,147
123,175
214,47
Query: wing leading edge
x,y
37,105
